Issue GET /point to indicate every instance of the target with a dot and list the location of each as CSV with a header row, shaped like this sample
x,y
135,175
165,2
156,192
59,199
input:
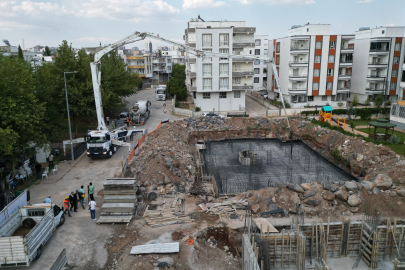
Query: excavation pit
x,y
251,164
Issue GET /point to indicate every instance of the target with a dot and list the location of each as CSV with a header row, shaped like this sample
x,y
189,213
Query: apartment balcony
x,y
192,74
297,90
241,86
141,66
299,49
242,44
238,60
192,88
375,90
347,48
242,72
191,60
345,75
345,63
382,51
298,63
247,30
377,63
298,77
343,88
376,77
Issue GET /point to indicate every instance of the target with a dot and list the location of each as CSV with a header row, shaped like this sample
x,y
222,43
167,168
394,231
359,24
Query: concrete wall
x,y
249,261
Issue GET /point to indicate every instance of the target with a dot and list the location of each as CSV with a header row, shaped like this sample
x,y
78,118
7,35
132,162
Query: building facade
x,y
316,68
260,67
219,84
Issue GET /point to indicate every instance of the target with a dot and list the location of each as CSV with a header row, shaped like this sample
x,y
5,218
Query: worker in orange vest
x,y
127,121
66,204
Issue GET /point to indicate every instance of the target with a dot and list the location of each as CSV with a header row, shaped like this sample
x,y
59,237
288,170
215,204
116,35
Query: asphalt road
x,y
83,239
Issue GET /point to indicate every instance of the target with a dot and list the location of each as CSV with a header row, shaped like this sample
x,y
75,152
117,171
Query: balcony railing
x,y
242,70
299,62
294,88
297,48
380,50
377,63
375,88
298,75
346,61
345,74
345,47
241,86
376,76
343,87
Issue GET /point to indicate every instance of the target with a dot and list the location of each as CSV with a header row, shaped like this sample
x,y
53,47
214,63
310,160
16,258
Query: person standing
x,y
93,205
131,137
66,204
77,198
108,120
91,191
50,158
73,201
164,103
48,200
38,168
127,121
81,196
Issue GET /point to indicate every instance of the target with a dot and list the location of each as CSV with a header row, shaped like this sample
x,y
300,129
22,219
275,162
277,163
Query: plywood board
x,y
264,223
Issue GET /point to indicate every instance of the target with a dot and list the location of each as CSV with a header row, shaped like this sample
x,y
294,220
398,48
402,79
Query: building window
x,y
330,72
396,59
316,72
318,45
207,84
223,39
169,60
36,212
169,68
226,51
206,40
397,47
394,73
257,51
333,98
207,70
265,52
331,59
256,79
278,47
236,80
236,94
237,67
194,95
258,42
206,95
315,86
223,69
222,94
393,85
257,62
329,85
332,45
317,58
223,83
207,58
324,98
257,70
310,98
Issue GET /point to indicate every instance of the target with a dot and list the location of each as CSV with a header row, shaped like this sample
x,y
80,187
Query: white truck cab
x,y
161,92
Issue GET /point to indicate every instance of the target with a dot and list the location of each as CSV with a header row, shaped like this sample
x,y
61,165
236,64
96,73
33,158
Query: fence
x,y
138,145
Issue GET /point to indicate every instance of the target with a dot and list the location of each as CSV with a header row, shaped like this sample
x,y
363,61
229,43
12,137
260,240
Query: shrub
x,y
336,155
177,103
197,109
378,101
327,104
248,130
287,105
367,102
351,111
340,104
307,106
352,125
388,103
355,101
394,139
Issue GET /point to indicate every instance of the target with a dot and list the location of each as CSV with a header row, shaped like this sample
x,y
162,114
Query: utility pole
x,y
67,105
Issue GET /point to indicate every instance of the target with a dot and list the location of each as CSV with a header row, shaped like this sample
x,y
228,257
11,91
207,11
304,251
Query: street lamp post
x,y
67,105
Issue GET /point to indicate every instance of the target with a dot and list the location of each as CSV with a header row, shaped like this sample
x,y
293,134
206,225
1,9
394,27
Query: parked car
x,y
212,114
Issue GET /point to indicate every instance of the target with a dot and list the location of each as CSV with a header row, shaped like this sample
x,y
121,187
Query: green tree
x,y
20,53
352,125
21,115
47,51
351,111
355,101
176,84
378,101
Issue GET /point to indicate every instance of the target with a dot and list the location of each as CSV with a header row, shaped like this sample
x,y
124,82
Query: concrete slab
x,y
265,225
114,219
156,248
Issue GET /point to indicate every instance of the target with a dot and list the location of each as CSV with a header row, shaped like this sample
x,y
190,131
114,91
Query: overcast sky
x,y
88,22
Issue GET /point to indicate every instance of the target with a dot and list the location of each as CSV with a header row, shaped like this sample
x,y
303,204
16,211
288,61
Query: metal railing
x,y
380,50
299,62
346,61
298,75
298,48
345,74
347,48
242,70
376,76
377,63
293,88
375,88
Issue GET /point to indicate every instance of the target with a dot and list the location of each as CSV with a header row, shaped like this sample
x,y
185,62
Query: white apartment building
x,y
177,56
219,83
260,67
378,55
314,67
317,68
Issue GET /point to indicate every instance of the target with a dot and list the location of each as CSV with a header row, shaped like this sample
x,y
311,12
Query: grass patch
x,y
398,148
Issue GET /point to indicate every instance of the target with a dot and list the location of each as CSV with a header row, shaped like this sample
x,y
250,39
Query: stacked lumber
x,y
119,200
159,218
226,208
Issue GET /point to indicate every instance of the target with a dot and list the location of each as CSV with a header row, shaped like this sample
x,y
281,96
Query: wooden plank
x,y
262,222
341,237
347,240
327,239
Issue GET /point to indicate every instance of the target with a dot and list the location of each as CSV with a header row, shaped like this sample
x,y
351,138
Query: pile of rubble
x,y
211,122
165,160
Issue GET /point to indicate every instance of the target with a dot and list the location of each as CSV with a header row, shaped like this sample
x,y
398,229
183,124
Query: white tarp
x,y
16,204
156,248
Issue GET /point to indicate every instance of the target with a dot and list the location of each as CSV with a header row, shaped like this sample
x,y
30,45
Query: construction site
x,y
243,195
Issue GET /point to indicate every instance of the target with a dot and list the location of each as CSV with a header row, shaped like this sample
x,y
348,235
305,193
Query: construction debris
x,y
159,218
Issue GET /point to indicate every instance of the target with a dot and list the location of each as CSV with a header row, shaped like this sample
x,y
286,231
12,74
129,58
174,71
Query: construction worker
x,y
164,103
66,204
127,121
91,191
73,201
108,120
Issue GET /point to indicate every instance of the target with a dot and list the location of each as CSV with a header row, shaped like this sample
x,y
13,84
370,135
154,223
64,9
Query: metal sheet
x,y
12,207
156,248
60,262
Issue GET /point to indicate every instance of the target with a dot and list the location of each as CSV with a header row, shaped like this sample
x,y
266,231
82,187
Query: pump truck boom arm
x,y
137,36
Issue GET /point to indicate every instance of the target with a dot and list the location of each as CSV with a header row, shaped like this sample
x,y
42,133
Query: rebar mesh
x,y
273,163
